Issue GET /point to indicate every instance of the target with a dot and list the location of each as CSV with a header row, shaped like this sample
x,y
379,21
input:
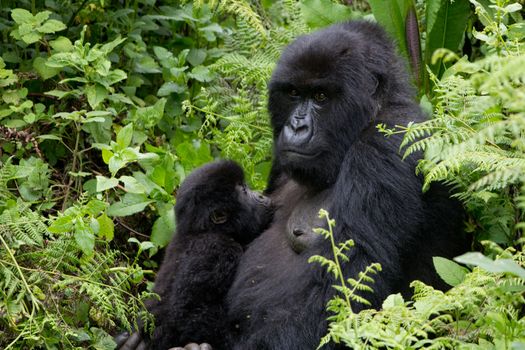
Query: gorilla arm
x,y
378,203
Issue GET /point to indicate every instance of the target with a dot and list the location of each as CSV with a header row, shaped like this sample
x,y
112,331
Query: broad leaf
x,y
124,136
44,70
445,28
322,13
84,237
163,229
106,227
495,266
95,94
22,16
449,271
391,15
104,183
131,203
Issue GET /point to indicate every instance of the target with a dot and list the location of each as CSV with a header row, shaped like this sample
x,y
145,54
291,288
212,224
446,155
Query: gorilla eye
x,y
218,217
293,93
320,97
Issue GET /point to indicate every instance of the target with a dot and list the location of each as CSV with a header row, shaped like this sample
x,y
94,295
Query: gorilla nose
x,y
297,133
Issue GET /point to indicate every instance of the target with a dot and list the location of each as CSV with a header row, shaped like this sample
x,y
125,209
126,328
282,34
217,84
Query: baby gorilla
x,y
217,215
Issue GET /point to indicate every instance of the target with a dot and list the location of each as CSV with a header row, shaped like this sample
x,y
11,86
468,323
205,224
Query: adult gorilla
x,y
329,91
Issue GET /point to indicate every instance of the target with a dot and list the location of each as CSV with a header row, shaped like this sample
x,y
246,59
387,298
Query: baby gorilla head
x,y
215,198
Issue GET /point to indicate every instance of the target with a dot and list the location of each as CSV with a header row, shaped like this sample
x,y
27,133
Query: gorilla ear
x,y
218,217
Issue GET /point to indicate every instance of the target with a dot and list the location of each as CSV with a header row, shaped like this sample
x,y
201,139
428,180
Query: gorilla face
x,y
321,99
215,198
254,215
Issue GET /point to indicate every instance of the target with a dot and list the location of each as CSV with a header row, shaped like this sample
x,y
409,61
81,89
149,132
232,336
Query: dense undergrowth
x,y
106,106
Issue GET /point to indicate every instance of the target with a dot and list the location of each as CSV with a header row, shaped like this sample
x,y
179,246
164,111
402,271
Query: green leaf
x,y
95,207
103,341
513,8
21,16
391,15
104,183
393,300
124,136
131,185
162,53
193,154
449,271
61,225
170,87
41,16
446,26
131,203
63,59
84,237
196,56
107,228
201,73
150,116
44,70
31,38
95,94
61,44
108,47
115,76
494,266
49,137
116,163
163,229
321,13
58,93
51,26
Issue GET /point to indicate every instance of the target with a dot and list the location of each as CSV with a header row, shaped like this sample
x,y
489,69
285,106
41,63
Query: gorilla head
x,y
326,90
215,198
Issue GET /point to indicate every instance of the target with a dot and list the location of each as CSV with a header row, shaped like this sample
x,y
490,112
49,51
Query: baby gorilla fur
x,y
217,215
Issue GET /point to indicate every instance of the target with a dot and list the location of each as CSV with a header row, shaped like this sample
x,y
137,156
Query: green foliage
x,y
475,138
441,25
106,106
31,29
51,292
481,311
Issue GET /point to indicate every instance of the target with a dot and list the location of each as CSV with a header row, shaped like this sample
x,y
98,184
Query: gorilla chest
x,y
304,219
274,281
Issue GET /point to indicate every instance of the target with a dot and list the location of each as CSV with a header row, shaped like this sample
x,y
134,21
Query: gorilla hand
x,y
125,341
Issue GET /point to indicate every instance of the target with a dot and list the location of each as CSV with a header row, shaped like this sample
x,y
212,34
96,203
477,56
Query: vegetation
x,y
106,106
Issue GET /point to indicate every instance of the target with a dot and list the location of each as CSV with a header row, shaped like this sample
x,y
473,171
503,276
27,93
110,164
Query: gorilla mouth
x,y
300,153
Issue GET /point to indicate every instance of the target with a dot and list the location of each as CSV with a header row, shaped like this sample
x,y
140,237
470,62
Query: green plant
x,y
474,140
51,292
421,28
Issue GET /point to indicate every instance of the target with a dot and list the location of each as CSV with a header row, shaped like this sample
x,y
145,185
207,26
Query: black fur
x,y
201,259
328,153
278,299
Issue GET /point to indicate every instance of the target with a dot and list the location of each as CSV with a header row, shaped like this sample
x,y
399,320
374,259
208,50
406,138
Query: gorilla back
x,y
327,94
